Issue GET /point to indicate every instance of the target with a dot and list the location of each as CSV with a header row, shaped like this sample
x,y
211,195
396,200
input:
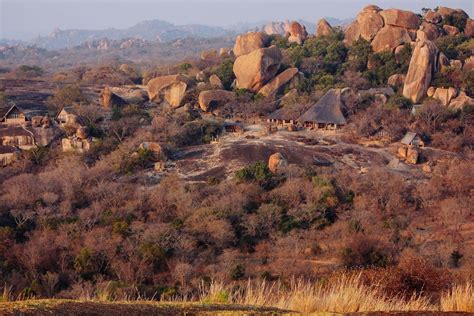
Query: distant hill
x,y
151,30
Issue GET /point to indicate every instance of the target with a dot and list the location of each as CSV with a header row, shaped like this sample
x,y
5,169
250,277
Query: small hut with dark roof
x,y
21,113
326,113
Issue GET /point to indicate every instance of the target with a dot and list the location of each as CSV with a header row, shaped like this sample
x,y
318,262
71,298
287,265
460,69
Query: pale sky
x,y
25,19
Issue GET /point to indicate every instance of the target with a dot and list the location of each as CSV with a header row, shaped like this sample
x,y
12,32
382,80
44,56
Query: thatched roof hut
x,y
327,111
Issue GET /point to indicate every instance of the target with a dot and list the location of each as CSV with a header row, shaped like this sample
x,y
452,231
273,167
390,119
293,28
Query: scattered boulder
x,y
323,28
75,145
451,30
254,70
108,99
469,28
154,148
276,84
461,101
445,95
389,37
276,162
82,132
423,65
249,42
36,121
401,18
431,91
446,12
412,155
468,64
402,152
201,76
298,33
171,88
215,82
433,17
455,63
211,99
225,52
396,80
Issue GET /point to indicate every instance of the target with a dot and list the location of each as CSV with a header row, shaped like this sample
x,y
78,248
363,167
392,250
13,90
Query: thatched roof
x,y
328,110
30,109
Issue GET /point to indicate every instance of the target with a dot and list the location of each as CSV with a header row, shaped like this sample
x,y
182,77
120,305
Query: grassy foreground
x,y
347,295
83,308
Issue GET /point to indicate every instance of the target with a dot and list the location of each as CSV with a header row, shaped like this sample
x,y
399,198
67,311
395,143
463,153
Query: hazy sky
x,y
24,19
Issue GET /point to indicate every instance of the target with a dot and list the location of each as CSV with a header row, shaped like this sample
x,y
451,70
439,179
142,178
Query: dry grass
x,y
348,294
459,299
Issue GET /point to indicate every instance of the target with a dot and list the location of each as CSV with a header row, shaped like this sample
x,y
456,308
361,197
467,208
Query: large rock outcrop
x,y
211,99
390,37
423,65
461,101
254,70
428,31
276,84
323,28
401,18
171,89
298,33
396,80
469,28
247,43
370,22
109,99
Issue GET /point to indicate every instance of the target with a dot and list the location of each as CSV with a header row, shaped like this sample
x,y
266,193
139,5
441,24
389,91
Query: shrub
x,y
359,54
237,272
225,72
67,96
184,67
88,263
365,252
398,102
26,71
257,172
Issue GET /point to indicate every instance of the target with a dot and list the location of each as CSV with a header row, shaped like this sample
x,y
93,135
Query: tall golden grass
x,y
347,294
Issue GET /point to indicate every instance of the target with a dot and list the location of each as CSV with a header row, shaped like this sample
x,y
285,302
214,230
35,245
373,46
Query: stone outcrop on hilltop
x,y
171,89
255,69
298,33
423,65
247,43
388,29
323,28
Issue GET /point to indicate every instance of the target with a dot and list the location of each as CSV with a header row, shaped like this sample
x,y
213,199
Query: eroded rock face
x,y
276,84
401,18
445,95
171,89
211,99
423,65
249,42
298,33
276,162
254,70
323,28
412,155
389,37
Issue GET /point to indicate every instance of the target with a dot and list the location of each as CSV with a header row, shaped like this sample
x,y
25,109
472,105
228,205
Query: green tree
x,y
225,72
